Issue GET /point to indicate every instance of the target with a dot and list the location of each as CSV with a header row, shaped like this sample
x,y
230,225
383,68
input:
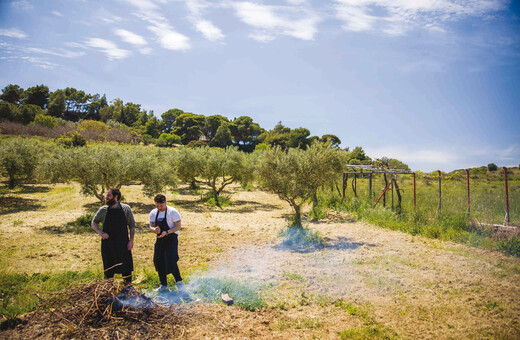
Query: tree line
x,y
294,174
39,106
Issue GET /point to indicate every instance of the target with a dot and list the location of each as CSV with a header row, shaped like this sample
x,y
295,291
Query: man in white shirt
x,y
165,221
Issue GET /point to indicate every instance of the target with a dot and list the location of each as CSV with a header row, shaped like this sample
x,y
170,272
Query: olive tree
x,y
295,175
105,166
18,159
214,167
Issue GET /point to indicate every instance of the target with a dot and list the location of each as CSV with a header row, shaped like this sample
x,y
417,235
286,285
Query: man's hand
x,y
162,234
156,230
130,245
104,236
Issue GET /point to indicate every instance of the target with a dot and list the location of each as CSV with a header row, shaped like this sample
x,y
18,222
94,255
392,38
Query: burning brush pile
x,y
102,309
107,309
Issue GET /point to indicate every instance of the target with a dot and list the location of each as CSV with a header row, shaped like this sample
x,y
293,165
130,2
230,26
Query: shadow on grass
x,y
250,206
344,243
10,205
193,206
31,189
141,208
92,207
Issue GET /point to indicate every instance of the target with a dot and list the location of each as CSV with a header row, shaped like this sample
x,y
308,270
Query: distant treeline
x,y
38,111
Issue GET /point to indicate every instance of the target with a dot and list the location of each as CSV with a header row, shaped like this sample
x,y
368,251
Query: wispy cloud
x,y
396,17
134,39
272,21
204,26
58,52
22,4
56,13
13,33
167,37
108,47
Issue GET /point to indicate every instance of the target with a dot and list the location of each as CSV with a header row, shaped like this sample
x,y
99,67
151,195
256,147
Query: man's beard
x,y
111,202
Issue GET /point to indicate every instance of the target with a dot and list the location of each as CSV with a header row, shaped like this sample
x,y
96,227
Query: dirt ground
x,y
366,282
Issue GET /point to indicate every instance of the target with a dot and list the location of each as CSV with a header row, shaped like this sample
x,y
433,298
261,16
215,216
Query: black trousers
x,y
165,258
126,276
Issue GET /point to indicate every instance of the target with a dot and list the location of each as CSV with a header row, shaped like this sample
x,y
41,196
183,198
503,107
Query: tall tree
x,y
12,94
331,139
296,174
56,107
37,95
245,132
189,127
168,119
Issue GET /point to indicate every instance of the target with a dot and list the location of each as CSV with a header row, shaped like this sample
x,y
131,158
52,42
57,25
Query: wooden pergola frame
x,y
367,171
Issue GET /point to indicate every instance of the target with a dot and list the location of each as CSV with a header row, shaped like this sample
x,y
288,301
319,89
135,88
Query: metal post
x,y
440,194
469,200
506,221
392,181
370,186
414,191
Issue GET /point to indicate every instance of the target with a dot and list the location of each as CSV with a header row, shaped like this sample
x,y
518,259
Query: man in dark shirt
x,y
116,245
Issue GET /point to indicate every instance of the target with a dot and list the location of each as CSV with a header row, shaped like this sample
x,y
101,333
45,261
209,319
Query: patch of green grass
x,y
221,201
81,225
244,294
371,329
301,237
308,323
18,291
296,277
452,223
318,212
17,223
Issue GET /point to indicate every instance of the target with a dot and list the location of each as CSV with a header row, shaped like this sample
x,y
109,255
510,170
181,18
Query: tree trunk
x,y
12,182
297,214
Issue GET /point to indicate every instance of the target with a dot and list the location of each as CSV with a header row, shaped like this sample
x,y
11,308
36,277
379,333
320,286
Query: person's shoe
x,y
162,289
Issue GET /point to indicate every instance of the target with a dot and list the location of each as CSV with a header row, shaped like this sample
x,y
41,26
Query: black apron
x,y
166,254
114,249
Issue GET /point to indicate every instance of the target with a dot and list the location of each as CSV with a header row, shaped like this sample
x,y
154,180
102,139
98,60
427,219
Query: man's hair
x,y
160,198
116,192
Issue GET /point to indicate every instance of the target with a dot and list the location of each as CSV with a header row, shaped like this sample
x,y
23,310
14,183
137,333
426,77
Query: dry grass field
x,y
366,282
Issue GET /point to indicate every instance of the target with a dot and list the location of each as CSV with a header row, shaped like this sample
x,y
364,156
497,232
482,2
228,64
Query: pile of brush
x,y
100,309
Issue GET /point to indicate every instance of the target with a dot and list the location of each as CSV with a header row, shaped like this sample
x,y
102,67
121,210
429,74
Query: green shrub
x,y
47,121
301,237
71,140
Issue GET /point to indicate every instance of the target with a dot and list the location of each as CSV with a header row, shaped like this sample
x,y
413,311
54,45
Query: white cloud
x,y
272,21
40,62
210,31
108,47
13,33
170,39
167,37
131,38
59,53
396,17
204,26
56,13
22,4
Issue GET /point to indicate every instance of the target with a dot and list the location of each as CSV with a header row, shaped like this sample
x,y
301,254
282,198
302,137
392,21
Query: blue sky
x,y
432,83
